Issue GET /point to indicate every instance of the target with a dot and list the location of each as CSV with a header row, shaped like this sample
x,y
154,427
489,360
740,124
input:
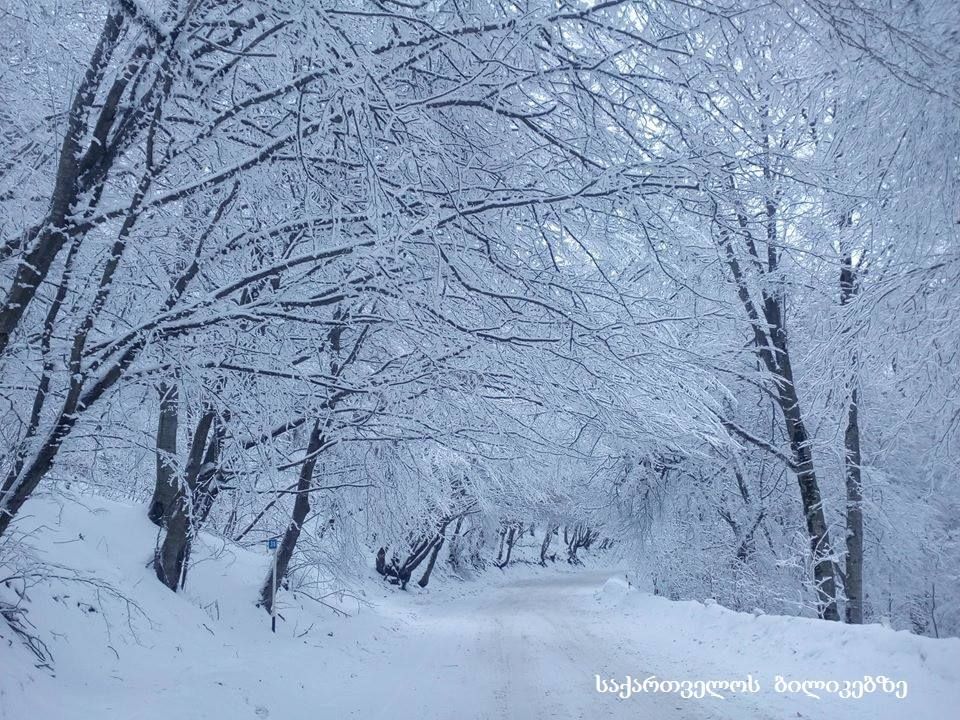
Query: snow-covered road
x,y
530,649
527,649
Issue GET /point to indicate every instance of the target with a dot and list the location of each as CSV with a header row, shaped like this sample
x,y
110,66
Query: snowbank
x,y
705,641
125,647
613,591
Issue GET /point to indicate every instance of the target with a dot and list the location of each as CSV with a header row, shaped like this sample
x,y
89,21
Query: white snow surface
x,y
527,643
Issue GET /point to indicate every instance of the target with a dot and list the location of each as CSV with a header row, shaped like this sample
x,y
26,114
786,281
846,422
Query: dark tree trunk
x,y
165,489
824,570
511,540
79,181
171,559
433,561
412,563
573,545
853,577
420,551
47,239
854,565
770,338
454,546
210,478
301,508
428,544
545,545
315,445
590,537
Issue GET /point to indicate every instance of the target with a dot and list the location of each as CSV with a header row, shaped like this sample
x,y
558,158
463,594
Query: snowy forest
x,y
423,292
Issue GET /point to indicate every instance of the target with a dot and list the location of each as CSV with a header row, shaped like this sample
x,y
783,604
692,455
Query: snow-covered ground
x,y
526,644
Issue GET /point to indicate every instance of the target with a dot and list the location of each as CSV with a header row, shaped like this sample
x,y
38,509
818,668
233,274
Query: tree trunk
x,y
503,537
210,477
511,540
44,241
170,561
165,489
853,580
433,561
824,570
545,545
315,445
770,337
301,508
576,541
413,560
454,546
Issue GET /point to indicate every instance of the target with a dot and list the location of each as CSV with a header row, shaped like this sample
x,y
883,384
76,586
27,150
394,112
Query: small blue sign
x,y
272,544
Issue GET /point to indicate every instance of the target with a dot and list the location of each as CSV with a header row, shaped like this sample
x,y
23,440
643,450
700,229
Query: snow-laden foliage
x,y
409,284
